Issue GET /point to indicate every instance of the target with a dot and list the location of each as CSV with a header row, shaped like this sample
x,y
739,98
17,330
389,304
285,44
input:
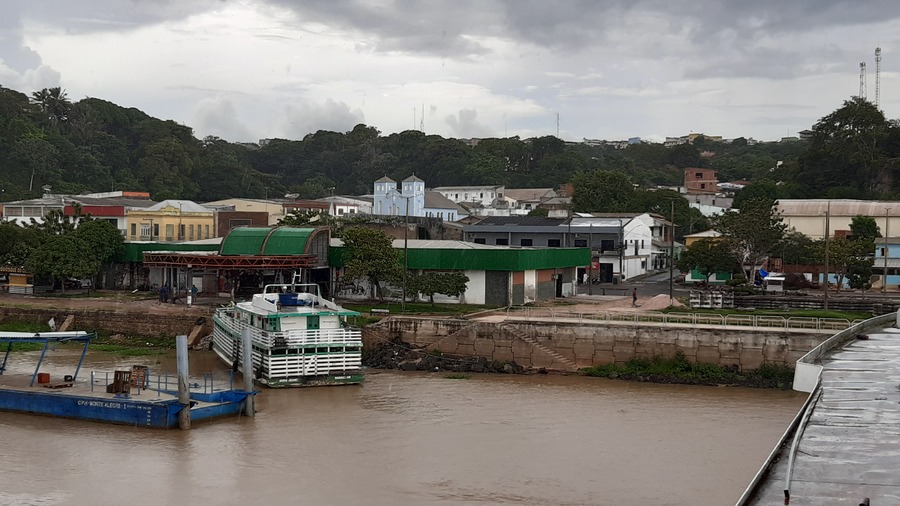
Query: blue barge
x,y
136,404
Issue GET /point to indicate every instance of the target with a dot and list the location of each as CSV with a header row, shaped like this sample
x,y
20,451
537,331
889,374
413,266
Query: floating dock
x,y
123,397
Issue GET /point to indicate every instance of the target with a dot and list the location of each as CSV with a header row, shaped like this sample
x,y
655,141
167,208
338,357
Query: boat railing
x,y
343,335
206,383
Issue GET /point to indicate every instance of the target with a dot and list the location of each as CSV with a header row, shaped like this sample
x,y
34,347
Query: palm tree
x,y
54,103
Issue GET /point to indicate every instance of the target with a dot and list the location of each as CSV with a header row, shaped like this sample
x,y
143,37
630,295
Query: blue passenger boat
x,y
132,397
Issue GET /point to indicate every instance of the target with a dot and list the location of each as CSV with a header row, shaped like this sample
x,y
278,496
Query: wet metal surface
x,y
850,449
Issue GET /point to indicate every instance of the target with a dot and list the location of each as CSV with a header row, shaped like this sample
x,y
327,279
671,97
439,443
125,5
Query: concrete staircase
x,y
557,358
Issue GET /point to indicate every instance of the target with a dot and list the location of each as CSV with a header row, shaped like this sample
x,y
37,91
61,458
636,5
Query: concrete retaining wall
x,y
588,344
131,324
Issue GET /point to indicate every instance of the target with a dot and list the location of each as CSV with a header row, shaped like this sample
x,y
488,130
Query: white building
x,y
486,195
409,200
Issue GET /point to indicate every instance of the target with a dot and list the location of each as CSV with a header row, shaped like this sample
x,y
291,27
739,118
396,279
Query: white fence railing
x,y
731,320
291,338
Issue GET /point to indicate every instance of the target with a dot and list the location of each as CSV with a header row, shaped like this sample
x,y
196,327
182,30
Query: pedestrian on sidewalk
x,y
634,297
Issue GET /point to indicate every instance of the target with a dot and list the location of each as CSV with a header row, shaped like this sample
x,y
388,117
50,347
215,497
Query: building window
x,y
180,232
699,175
525,242
502,242
481,195
170,231
155,230
133,230
207,231
702,186
581,243
191,228
552,243
607,245
145,231
479,240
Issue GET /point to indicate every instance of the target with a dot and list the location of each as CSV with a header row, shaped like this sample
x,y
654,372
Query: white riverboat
x,y
299,337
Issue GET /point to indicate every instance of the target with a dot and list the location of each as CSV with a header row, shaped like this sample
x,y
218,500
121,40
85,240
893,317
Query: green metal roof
x,y
134,251
244,241
280,241
493,259
287,241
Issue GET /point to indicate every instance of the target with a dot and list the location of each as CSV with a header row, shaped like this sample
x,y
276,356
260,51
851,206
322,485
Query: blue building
x,y
887,263
389,201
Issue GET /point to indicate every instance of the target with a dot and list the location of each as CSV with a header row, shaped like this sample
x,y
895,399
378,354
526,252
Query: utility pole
x,y
887,232
405,253
591,261
672,257
827,227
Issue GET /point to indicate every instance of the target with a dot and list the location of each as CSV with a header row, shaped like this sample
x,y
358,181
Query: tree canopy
x,y
751,233
369,254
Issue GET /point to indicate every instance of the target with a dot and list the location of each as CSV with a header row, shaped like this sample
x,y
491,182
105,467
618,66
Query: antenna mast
x,y
877,77
862,80
422,120
557,125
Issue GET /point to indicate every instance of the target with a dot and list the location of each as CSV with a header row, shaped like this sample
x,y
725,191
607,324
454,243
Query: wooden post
x,y
184,393
247,363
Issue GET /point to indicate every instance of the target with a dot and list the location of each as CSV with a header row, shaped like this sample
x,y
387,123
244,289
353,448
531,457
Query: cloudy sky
x,y
609,69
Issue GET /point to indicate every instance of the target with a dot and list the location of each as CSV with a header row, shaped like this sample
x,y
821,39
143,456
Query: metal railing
x,y
269,339
731,320
206,383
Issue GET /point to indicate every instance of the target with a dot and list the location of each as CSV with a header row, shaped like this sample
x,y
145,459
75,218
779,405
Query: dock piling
x,y
184,393
247,363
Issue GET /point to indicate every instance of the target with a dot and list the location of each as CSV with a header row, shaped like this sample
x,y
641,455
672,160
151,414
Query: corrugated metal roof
x,y
520,221
600,222
244,241
707,233
837,207
187,206
528,193
287,241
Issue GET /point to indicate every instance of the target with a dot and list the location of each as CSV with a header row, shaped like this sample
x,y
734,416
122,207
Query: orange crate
x,y
43,377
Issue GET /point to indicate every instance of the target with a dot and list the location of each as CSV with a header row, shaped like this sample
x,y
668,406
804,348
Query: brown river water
x,y
408,438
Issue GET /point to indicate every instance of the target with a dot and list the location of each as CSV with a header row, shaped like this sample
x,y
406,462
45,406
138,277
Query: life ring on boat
x,y
201,321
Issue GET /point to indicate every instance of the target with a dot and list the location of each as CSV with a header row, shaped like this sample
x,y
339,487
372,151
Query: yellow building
x,y
172,221
274,209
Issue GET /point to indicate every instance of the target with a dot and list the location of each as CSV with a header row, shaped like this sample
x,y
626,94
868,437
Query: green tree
x,y
752,233
301,218
54,103
708,256
847,257
370,254
864,227
795,248
602,191
103,240
850,154
452,284
62,257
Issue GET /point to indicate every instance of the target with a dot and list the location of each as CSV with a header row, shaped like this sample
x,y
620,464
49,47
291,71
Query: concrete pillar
x,y
184,393
247,363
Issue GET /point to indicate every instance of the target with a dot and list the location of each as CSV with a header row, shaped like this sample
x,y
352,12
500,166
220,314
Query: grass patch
x,y
679,370
457,376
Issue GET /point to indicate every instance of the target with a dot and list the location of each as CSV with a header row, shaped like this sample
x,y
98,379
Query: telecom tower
x,y
862,80
877,77
422,120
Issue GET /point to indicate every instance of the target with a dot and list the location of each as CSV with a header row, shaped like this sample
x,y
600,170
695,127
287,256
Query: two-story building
x,y
522,201
109,206
697,180
274,209
623,245
171,221
487,195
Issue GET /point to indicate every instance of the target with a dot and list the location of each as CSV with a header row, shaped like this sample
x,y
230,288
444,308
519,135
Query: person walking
x,y
634,297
